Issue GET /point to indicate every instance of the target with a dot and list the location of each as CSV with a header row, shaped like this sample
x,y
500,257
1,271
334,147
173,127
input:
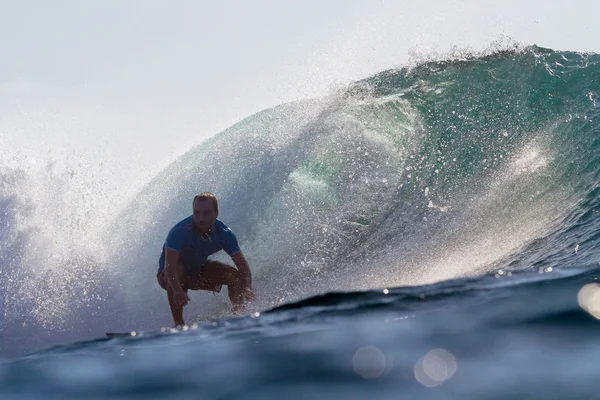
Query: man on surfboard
x,y
184,263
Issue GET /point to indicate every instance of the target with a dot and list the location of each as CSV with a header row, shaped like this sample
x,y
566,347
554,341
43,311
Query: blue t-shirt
x,y
193,248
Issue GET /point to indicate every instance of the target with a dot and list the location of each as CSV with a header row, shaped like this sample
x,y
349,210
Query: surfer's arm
x,y
242,265
171,263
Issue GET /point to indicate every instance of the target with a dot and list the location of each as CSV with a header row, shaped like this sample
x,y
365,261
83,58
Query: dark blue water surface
x,y
519,336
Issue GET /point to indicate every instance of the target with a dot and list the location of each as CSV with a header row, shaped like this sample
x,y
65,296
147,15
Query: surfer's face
x,y
204,214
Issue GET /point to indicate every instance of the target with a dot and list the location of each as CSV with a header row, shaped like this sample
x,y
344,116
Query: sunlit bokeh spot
x,y
370,362
589,299
436,367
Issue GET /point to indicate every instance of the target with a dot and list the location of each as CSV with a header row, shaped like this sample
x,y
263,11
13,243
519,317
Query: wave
x,y
415,175
443,170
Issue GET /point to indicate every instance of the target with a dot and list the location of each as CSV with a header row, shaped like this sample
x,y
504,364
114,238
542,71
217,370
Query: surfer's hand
x,y
249,294
181,298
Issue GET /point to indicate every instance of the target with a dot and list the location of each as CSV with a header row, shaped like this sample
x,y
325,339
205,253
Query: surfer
x,y
184,263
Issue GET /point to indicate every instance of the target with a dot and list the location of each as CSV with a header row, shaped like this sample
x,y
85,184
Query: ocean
x,y
427,232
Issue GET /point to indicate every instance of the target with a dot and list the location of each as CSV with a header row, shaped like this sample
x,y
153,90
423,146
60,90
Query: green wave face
x,y
412,175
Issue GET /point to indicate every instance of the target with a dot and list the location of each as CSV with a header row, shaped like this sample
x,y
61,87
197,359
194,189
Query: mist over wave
x,y
441,170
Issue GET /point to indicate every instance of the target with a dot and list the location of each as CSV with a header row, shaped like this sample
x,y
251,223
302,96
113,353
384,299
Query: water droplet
x,y
436,367
370,362
589,299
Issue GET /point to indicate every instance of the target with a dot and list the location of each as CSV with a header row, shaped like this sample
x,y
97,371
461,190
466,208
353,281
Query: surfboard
x,y
123,334
142,333
185,328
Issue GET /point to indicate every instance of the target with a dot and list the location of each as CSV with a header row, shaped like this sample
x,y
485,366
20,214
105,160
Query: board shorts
x,y
191,281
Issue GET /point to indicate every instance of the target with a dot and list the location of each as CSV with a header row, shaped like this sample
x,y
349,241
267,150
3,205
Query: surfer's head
x,y
206,210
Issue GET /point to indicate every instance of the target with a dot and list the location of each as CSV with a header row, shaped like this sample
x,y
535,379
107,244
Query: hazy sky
x,y
124,87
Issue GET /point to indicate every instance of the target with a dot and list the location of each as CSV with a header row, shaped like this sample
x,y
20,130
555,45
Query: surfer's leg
x,y
176,311
215,273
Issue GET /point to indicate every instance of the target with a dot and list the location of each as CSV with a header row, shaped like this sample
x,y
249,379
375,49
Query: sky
x,y
122,88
